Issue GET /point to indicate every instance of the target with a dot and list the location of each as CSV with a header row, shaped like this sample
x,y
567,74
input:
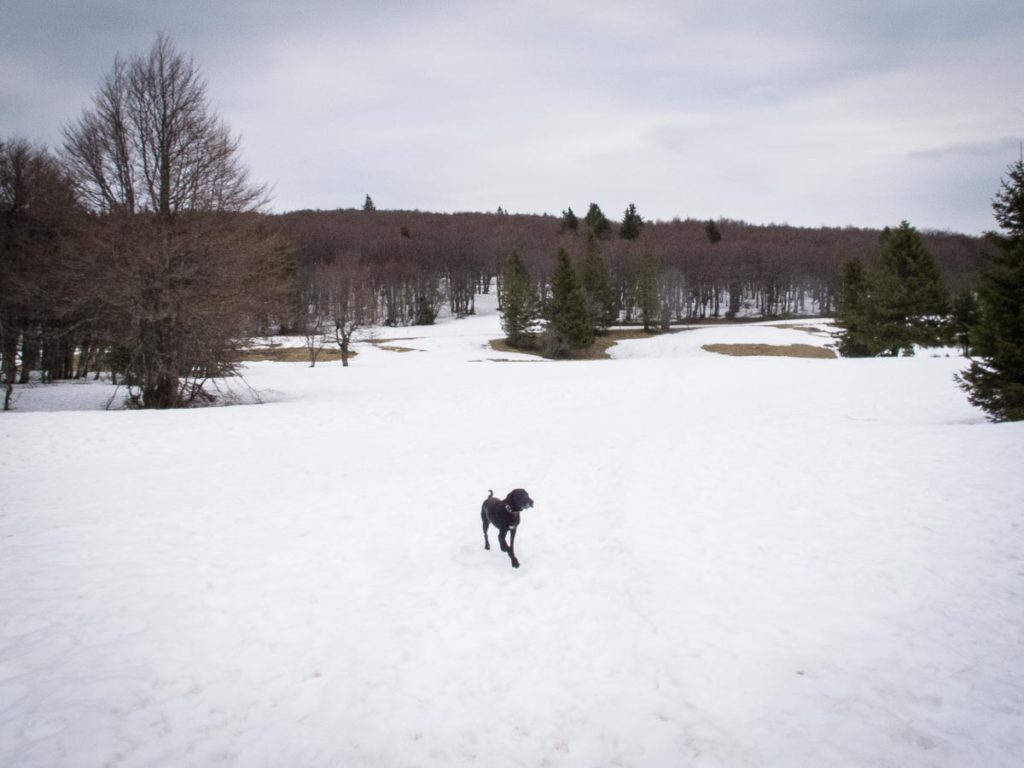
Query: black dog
x,y
504,514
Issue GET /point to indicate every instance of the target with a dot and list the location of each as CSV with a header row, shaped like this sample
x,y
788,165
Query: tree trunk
x,y
161,393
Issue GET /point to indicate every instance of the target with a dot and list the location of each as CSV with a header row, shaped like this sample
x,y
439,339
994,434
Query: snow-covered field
x,y
731,562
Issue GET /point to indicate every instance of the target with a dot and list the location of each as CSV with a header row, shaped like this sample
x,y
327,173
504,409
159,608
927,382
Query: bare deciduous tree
x,y
39,219
350,299
163,173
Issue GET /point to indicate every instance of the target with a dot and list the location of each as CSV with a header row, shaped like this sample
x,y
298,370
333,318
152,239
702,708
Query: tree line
x,y
413,263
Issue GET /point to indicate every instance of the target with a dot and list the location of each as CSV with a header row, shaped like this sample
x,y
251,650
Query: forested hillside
x,y
410,262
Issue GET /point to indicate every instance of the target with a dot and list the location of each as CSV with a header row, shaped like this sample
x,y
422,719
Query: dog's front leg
x,y
512,547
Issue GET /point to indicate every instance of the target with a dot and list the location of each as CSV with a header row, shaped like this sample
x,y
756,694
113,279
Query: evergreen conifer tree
x,y
995,382
631,225
647,289
519,310
368,204
907,293
714,234
964,316
853,312
900,303
596,284
597,222
570,222
568,324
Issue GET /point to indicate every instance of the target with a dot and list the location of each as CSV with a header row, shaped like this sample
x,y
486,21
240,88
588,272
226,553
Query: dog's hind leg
x,y
483,518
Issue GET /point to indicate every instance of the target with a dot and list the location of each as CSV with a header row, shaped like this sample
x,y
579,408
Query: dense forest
x,y
411,263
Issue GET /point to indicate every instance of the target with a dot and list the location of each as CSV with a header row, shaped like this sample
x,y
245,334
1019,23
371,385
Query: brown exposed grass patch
x,y
287,355
389,344
500,345
771,350
596,351
811,329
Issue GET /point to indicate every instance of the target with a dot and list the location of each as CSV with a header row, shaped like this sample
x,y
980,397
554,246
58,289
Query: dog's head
x,y
519,500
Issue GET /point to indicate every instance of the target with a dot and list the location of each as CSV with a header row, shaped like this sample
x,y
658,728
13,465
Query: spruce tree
x,y
900,303
568,324
596,284
519,311
963,317
853,312
1008,205
907,294
995,382
631,225
597,223
647,289
570,222
368,204
714,234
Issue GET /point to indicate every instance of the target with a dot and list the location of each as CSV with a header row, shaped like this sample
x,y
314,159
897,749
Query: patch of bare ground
x,y
596,351
287,355
814,330
500,345
388,345
771,350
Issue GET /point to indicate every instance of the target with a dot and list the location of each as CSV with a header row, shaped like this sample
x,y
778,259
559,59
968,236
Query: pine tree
x,y
964,316
568,324
995,382
714,234
1008,205
597,222
900,303
853,312
631,225
907,294
570,222
647,289
368,204
519,311
595,281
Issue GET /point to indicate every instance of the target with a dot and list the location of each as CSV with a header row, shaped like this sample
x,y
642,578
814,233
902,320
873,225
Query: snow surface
x,y
732,562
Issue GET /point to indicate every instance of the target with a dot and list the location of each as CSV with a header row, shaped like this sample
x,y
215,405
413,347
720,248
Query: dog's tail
x,y
490,494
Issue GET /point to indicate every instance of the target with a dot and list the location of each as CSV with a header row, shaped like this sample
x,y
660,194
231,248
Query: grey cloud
x,y
1005,147
743,109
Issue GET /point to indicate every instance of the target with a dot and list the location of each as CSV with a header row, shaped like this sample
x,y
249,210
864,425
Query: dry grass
x,y
811,329
596,351
288,355
771,350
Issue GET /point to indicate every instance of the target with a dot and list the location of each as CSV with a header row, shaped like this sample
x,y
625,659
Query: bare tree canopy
x,y
151,143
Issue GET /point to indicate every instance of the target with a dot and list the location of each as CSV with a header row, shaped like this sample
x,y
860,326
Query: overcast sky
x,y
811,113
